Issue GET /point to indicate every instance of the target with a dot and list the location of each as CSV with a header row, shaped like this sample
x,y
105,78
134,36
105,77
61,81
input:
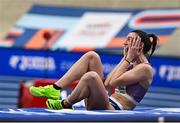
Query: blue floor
x,y
42,114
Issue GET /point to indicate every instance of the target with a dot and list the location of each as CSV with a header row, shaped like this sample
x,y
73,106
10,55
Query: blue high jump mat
x,y
67,115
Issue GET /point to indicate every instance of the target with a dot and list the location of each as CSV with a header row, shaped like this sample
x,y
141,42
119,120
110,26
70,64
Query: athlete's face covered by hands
x,y
133,47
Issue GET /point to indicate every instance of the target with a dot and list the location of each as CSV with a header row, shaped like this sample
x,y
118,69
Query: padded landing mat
x,y
42,114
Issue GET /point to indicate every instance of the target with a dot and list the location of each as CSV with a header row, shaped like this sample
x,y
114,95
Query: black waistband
x,y
114,104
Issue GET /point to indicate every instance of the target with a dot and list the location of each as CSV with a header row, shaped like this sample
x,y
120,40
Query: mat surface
x,y
41,114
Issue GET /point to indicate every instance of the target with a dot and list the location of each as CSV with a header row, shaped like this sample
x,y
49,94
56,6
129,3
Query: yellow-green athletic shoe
x,y
55,104
46,91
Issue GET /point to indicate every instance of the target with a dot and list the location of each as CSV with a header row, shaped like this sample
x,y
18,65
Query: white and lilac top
x,y
134,92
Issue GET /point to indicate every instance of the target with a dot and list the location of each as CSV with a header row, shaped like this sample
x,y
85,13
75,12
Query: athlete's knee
x,y
91,76
92,55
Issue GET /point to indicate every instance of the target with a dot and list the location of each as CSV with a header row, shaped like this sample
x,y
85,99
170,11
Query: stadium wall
x,y
12,10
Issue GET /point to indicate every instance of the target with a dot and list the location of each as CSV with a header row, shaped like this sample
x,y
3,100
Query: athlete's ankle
x,y
56,87
66,104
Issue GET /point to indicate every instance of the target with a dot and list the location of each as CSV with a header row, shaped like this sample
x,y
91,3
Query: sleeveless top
x,y
134,92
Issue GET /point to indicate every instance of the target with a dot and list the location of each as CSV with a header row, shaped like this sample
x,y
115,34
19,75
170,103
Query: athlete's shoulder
x,y
145,68
145,65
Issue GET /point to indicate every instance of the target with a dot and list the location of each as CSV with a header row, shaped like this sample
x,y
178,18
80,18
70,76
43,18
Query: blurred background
x,y
41,39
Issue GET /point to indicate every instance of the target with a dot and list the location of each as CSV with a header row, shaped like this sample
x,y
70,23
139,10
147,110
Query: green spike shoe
x,y
55,104
46,91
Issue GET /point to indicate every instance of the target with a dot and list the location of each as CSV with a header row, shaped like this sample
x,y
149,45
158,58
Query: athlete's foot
x,y
47,91
56,104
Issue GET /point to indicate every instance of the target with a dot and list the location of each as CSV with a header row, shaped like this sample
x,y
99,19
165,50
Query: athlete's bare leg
x,y
88,62
91,88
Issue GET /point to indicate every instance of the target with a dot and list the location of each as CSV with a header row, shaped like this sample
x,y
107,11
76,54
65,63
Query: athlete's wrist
x,y
128,61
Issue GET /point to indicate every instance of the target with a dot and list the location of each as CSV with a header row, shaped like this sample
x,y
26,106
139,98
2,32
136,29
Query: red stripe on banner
x,y
14,33
158,19
54,37
39,40
82,49
8,41
118,41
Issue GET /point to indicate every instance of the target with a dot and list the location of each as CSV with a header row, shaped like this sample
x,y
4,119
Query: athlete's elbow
x,y
112,84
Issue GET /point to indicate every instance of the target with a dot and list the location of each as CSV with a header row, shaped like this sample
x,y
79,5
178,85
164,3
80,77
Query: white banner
x,y
94,30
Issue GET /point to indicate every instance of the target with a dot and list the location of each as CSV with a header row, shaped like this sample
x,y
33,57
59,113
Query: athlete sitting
x,y
131,78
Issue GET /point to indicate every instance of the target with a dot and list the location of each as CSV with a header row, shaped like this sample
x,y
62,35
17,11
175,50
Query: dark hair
x,y
148,43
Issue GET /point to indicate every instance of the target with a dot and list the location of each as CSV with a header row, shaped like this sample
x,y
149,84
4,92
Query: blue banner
x,y
49,64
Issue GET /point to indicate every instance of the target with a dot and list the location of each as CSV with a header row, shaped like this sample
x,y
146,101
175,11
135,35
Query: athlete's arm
x,y
141,73
110,75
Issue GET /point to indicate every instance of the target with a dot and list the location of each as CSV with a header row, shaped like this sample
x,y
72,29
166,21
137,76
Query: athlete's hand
x,y
125,51
134,48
